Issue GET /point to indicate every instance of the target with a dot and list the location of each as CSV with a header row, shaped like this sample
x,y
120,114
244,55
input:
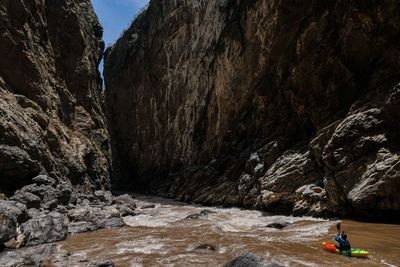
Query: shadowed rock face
x,y
289,107
51,115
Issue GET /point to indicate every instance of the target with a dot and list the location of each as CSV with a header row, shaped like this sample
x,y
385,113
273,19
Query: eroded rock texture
x,y
51,115
289,106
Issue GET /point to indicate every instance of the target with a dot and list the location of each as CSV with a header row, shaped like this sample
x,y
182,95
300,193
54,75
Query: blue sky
x,y
115,16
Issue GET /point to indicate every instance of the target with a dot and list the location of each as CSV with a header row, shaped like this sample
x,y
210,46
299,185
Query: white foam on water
x,y
148,245
301,233
388,264
144,220
232,220
294,261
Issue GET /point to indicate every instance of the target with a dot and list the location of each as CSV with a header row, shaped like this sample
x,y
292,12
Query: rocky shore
x,y
46,212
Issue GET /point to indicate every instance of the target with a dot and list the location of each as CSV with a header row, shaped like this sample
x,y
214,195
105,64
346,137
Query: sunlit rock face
x,y
284,106
52,119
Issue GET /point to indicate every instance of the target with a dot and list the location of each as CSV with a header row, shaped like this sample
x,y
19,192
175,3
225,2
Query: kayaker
x,y
344,244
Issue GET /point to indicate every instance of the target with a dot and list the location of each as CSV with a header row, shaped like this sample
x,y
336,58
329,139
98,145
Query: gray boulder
x,y
44,180
46,228
110,223
16,167
200,214
61,192
125,200
249,260
126,211
44,255
30,200
278,225
104,196
106,263
11,213
81,227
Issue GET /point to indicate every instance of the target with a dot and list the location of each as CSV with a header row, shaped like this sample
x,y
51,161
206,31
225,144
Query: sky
x,y
115,16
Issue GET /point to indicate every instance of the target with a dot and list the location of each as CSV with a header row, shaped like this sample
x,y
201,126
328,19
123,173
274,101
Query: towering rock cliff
x,y
288,106
51,114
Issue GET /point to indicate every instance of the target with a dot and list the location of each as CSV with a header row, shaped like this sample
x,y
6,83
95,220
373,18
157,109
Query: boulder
x,y
105,263
278,225
205,247
126,200
46,228
109,223
11,214
16,167
50,205
44,255
126,211
144,206
81,227
44,180
28,199
80,214
250,260
200,214
61,192
104,196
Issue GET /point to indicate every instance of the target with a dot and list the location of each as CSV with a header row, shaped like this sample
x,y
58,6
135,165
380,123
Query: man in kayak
x,y
344,244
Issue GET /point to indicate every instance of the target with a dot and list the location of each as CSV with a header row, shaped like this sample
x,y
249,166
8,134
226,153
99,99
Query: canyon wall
x,y
286,106
51,103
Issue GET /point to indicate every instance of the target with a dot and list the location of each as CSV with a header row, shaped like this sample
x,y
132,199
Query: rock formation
x,y
283,106
51,104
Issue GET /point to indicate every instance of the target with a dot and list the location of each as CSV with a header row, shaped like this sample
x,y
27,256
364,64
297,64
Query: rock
x,y
47,228
110,223
377,184
106,263
52,120
267,117
11,214
16,166
126,211
51,204
104,196
28,199
108,212
200,214
147,206
125,200
43,255
81,227
88,218
44,180
80,214
32,213
205,247
278,225
61,209
249,260
47,193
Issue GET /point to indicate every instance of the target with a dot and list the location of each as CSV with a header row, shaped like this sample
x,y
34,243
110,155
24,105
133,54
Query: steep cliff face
x,y
288,106
51,114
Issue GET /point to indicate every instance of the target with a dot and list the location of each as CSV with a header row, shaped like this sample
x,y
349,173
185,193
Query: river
x,y
162,236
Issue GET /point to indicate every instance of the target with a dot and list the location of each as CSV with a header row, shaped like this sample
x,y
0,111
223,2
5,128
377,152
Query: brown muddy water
x,y
163,237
